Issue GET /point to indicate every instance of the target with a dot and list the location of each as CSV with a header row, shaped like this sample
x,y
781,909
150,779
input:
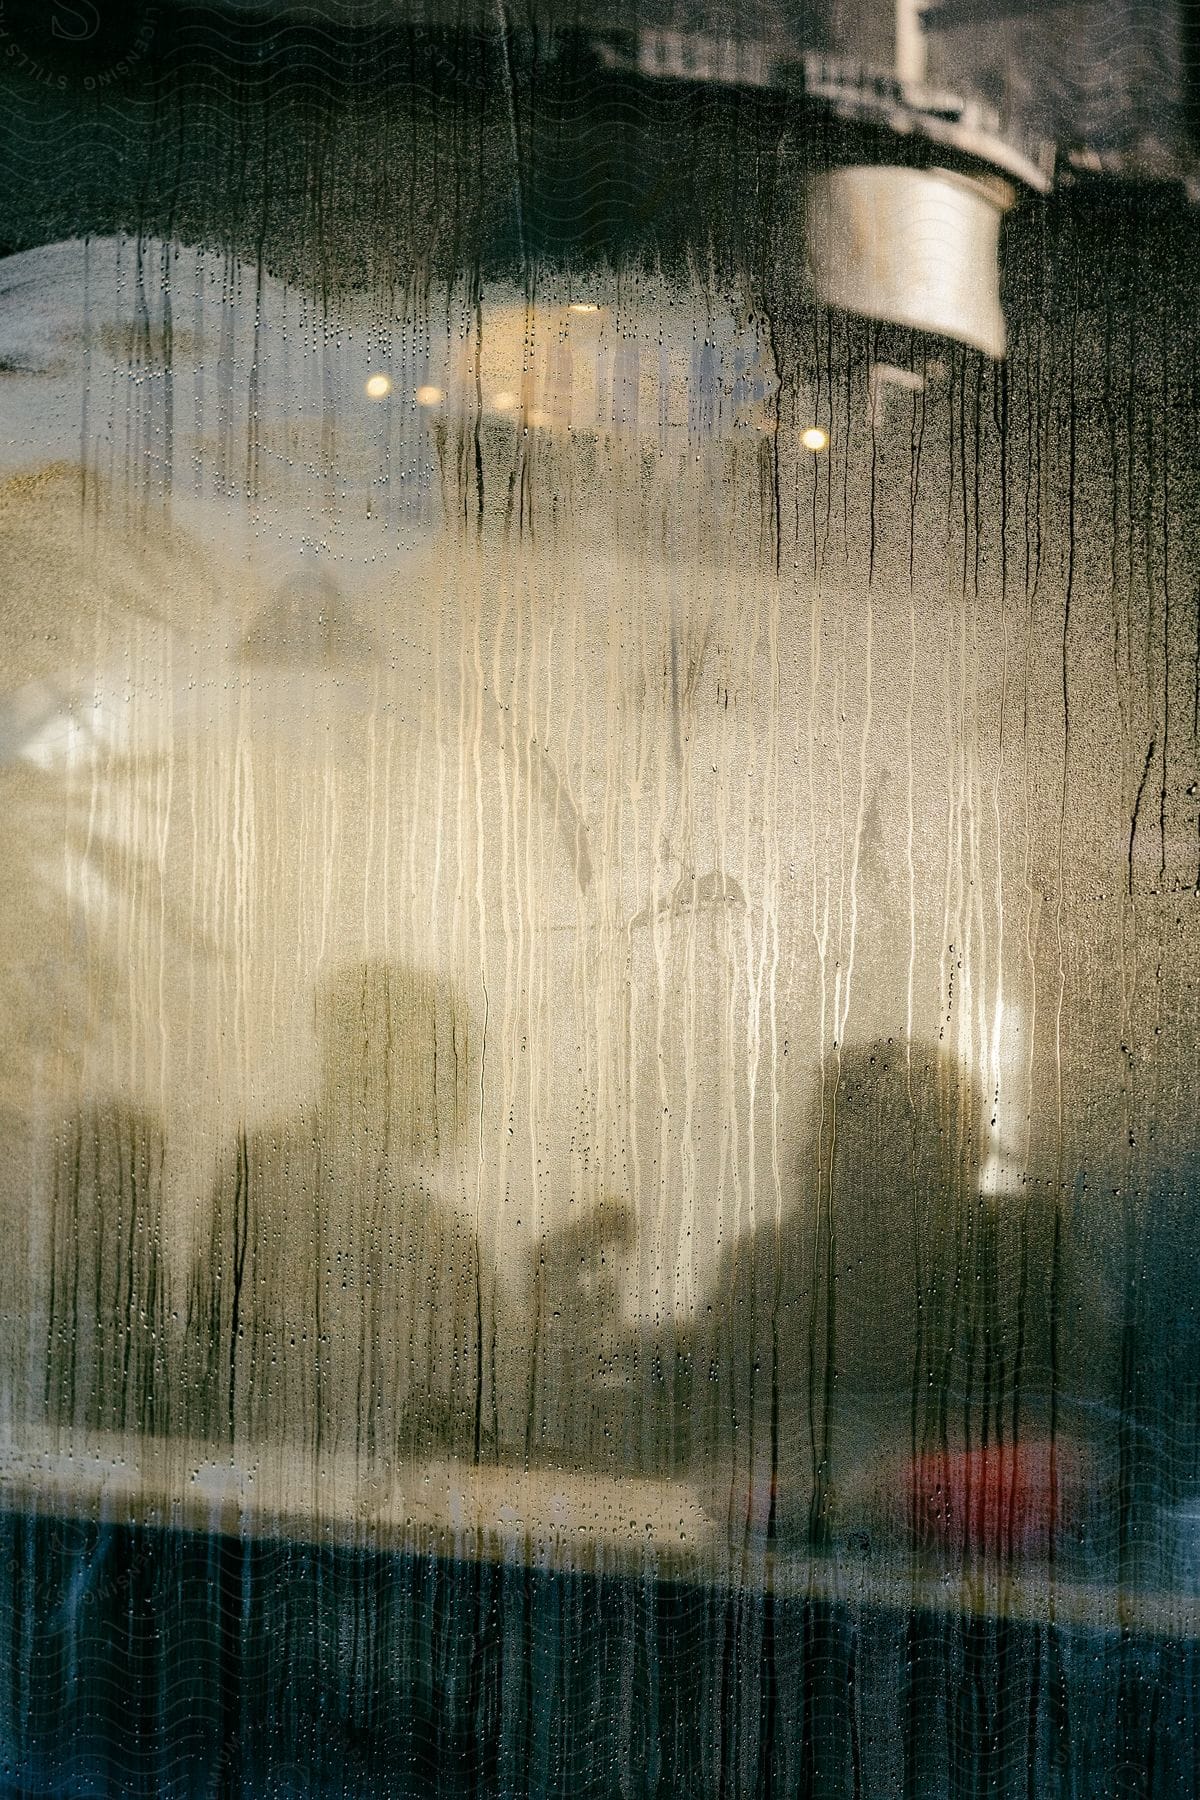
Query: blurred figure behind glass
x,y
337,1303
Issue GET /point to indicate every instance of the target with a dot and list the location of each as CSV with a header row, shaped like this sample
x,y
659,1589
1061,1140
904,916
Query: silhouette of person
x,y
337,1302
820,1335
106,1350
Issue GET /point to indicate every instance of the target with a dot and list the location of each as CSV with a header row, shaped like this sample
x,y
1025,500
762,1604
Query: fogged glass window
x,y
600,840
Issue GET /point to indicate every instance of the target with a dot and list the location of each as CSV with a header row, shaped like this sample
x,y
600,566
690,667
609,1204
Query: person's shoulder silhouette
x,y
339,1284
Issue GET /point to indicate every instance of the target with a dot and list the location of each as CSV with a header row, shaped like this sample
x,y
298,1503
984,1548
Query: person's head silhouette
x,y
395,1058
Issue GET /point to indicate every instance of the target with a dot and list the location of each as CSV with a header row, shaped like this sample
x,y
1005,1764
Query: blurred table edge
x,y
553,1521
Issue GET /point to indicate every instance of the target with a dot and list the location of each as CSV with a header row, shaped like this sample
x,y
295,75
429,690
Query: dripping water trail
x,y
241,1225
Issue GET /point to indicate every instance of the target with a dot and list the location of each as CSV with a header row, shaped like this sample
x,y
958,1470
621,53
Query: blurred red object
x,y
1005,1497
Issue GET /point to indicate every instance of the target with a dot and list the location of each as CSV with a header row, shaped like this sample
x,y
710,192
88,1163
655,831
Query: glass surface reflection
x,y
599,848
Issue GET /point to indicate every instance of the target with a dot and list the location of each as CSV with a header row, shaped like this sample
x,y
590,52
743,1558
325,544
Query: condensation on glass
x,y
599,1072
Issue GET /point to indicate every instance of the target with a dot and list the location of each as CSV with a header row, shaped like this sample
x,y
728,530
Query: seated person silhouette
x,y
336,1304
826,1333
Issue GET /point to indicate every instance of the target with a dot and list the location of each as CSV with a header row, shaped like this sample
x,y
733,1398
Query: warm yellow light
x,y
814,438
378,387
504,401
430,396
584,306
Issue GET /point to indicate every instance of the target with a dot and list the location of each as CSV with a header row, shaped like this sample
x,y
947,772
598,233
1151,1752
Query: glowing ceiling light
x,y
504,401
378,387
814,439
584,306
429,395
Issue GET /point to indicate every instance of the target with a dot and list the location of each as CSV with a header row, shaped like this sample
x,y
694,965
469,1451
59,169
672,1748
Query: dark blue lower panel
x,y
141,1662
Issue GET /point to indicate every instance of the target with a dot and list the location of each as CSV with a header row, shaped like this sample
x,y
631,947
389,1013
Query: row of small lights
x,y
379,386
